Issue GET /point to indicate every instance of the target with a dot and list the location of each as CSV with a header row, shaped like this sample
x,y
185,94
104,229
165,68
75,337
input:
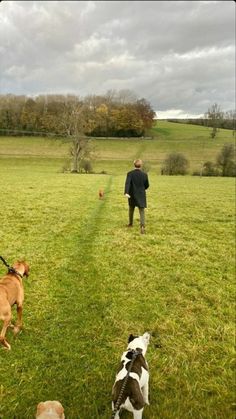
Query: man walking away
x,y
135,189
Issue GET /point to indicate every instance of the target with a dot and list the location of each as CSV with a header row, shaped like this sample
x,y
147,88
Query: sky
x,y
178,55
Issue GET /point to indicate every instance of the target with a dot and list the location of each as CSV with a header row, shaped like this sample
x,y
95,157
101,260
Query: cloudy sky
x,y
179,55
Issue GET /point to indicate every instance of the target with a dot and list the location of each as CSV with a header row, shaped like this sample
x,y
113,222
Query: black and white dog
x,y
134,395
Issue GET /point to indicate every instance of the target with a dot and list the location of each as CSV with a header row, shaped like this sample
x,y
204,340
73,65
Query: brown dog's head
x,y
26,265
101,193
22,266
50,409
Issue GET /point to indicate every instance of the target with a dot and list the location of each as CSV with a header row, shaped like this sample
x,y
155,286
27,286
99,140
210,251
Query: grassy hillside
x,y
93,282
112,154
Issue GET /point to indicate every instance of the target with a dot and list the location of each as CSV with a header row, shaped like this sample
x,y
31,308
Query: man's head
x,y
138,163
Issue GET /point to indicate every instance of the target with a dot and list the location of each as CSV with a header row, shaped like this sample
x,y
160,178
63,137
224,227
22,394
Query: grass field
x,y
191,140
92,283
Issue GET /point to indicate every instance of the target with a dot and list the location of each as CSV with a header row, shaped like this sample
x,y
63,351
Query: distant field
x,y
92,282
191,140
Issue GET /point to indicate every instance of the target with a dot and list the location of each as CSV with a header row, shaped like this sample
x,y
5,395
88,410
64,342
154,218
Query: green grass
x,y
191,140
93,282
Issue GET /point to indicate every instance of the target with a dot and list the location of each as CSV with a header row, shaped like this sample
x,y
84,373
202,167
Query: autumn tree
x,y
102,118
29,116
10,111
146,113
125,121
117,113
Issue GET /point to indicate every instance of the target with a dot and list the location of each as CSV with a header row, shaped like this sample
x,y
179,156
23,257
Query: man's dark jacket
x,y
135,185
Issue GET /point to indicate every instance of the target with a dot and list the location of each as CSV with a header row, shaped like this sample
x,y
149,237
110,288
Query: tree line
x,y
115,114
214,118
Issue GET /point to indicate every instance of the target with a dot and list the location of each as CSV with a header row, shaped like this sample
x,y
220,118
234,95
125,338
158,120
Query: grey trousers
x,y
141,214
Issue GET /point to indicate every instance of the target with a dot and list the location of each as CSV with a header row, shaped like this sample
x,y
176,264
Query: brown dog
x,y
50,410
12,292
101,193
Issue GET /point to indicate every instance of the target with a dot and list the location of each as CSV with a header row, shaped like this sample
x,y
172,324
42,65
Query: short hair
x,y
138,163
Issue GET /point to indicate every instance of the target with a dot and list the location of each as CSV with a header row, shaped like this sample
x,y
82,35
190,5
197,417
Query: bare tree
x,y
214,117
76,124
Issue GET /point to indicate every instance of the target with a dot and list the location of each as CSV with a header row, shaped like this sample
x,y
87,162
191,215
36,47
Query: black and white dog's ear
x,y
131,337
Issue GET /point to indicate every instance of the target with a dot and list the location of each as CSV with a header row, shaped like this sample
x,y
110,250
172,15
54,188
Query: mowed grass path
x,y
93,282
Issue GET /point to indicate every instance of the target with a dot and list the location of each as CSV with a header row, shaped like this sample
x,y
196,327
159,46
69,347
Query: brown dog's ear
x,y
60,410
26,266
39,408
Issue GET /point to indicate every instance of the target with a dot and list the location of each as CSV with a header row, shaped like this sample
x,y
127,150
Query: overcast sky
x,y
179,55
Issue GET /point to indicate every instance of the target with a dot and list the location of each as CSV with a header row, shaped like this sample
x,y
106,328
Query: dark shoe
x,y
129,225
142,230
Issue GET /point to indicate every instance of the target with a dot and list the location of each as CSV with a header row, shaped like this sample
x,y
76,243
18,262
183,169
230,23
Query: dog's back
x,y
10,287
130,390
12,292
132,394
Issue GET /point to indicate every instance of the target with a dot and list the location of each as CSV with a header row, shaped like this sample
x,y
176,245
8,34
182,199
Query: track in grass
x,y
93,282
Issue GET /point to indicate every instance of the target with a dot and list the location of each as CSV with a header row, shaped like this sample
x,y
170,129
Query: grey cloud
x,y
177,54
